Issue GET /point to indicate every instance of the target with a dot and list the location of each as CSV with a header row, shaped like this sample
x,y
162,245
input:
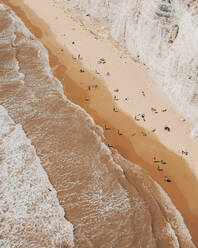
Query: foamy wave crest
x,y
161,34
29,209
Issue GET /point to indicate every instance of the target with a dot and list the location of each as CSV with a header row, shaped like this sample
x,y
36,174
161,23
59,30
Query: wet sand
x,y
138,148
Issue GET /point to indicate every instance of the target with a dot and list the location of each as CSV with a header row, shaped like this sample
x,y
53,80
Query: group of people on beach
x,y
137,117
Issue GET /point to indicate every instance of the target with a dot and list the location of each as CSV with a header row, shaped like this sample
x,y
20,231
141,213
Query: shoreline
x,y
66,69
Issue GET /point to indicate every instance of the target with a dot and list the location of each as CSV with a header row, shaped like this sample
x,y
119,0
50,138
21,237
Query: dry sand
x,y
57,28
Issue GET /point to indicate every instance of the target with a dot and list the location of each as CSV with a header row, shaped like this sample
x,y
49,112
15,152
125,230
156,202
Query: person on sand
x,y
136,118
114,109
184,153
182,119
166,179
107,128
101,61
159,168
143,133
154,110
167,128
119,132
128,99
143,117
155,160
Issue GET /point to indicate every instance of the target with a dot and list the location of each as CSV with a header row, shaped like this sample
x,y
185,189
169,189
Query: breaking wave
x,y
29,209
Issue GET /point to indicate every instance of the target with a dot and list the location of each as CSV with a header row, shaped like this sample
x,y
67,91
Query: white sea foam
x,y
29,209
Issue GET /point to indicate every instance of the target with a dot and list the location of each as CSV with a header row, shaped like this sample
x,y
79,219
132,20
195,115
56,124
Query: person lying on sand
x,y
107,128
101,61
167,128
167,180
155,160
136,118
154,110
114,109
182,119
128,99
184,153
119,132
115,98
143,133
159,168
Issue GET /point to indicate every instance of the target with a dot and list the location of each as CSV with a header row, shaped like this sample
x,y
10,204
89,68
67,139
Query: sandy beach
x,y
118,93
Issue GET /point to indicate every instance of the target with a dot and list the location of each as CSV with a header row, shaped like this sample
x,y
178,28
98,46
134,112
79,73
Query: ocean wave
x,y
29,209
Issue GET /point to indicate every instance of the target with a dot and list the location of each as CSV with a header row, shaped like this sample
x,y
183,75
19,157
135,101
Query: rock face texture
x,y
110,201
161,34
